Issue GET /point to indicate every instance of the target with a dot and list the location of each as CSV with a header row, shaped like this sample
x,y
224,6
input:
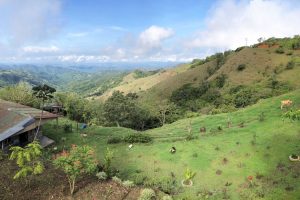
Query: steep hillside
x,y
134,83
260,65
257,66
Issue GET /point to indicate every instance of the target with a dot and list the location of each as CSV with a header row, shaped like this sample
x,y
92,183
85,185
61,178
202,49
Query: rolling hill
x,y
256,66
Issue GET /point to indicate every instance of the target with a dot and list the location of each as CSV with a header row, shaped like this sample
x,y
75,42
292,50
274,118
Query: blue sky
x,y
93,31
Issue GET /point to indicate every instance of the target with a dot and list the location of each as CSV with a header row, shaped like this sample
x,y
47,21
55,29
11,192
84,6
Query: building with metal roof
x,y
18,124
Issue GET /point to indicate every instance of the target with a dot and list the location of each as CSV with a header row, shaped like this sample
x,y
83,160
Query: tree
x,y
43,92
28,159
20,93
80,160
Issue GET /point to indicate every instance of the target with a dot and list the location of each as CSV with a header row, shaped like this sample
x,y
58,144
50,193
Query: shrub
x,y
245,97
79,161
102,176
109,155
262,117
138,138
290,65
117,179
139,179
167,185
280,50
241,67
167,198
114,140
239,49
28,159
128,184
67,128
220,80
147,194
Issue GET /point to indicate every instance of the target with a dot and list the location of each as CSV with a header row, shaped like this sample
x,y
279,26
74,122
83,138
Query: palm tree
x,y
43,92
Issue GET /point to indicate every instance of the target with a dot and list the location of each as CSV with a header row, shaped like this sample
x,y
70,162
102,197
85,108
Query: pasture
x,y
254,141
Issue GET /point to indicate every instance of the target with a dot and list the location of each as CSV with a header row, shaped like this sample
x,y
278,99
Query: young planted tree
x,y
28,159
43,92
80,160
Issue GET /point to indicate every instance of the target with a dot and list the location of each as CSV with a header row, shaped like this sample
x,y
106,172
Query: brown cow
x,y
286,103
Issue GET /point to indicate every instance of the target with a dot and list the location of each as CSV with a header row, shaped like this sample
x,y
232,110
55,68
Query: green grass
x,y
276,140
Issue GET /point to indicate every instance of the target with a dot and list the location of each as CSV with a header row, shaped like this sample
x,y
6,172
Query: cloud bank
x,y
231,23
29,30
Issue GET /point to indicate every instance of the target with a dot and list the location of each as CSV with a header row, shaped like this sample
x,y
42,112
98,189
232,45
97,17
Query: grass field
x,y
222,157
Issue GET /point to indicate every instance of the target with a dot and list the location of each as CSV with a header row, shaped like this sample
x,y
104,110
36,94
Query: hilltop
x,y
256,66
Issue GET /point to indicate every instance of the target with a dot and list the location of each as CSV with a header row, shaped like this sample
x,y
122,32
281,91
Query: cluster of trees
x,y
119,109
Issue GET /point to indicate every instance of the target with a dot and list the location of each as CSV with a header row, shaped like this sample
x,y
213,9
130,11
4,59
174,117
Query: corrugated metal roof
x,y
15,117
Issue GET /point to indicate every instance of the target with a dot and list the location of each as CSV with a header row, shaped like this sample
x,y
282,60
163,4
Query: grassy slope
x,y
276,139
132,84
260,66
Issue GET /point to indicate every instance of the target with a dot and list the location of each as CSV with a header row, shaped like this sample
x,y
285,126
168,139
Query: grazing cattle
x,y
286,103
173,150
130,146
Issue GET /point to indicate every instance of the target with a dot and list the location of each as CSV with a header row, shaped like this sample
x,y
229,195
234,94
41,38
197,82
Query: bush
x,y
114,140
166,185
220,80
67,128
102,176
117,179
139,179
128,184
241,67
290,65
167,198
147,194
245,97
280,50
138,138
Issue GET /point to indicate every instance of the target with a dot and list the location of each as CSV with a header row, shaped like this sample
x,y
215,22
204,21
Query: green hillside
x,y
275,61
257,143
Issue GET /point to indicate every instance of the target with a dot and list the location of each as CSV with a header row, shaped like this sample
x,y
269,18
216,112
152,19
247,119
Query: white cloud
x,y
154,35
230,22
83,58
29,20
39,49
78,34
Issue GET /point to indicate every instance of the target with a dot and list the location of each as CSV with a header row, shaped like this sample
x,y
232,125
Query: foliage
x,y
117,179
280,50
167,197
241,67
142,74
290,65
102,176
67,127
80,160
128,184
137,138
220,80
109,155
245,97
20,93
293,115
123,110
147,194
28,159
114,140
43,92
189,174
